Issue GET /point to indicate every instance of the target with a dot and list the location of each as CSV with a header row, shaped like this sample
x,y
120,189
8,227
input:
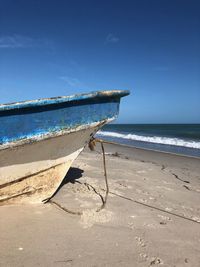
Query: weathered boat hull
x,y
35,170
40,139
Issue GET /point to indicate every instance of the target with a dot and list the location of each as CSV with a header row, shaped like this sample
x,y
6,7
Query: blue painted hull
x,y
40,139
27,120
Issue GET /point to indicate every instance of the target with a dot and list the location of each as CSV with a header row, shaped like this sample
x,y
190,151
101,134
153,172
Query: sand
x,y
152,217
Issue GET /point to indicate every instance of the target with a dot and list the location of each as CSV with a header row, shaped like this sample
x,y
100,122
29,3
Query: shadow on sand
x,y
71,177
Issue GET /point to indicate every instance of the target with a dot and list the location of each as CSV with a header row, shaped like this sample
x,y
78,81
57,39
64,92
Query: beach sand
x,y
152,216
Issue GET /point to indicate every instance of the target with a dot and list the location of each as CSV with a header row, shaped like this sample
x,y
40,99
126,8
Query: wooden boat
x,y
40,139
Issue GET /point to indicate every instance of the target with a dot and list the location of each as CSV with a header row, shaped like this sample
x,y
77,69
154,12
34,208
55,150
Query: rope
x,y
65,209
105,175
91,145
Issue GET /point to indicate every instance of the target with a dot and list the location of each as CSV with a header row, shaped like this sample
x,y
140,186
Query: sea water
x,y
175,138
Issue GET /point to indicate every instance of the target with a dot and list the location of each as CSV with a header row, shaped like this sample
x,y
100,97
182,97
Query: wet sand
x,y
152,217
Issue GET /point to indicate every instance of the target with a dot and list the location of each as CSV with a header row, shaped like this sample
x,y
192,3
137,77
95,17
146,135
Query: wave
x,y
153,139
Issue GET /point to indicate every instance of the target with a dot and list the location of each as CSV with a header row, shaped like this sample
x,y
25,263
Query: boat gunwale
x,y
95,95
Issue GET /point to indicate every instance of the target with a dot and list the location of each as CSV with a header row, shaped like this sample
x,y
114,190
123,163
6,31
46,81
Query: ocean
x,y
181,139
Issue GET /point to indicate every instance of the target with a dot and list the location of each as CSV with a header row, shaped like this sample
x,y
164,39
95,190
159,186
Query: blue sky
x,y
151,47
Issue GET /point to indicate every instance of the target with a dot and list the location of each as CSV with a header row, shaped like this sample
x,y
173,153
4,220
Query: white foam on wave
x,y
153,139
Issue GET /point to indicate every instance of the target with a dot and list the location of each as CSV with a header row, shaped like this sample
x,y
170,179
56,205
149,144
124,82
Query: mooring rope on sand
x,y
91,145
105,174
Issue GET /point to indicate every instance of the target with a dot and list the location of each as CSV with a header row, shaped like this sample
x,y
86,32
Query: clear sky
x,y
61,47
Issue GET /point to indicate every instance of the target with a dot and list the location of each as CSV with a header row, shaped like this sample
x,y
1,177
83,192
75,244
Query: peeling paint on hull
x,y
36,170
40,139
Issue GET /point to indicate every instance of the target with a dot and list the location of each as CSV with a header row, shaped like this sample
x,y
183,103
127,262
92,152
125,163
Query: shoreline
x,y
148,149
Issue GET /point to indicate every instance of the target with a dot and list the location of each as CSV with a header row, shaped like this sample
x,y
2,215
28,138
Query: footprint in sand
x,y
155,261
140,241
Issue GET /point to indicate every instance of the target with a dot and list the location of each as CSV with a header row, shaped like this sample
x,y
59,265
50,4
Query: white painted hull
x,y
35,170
